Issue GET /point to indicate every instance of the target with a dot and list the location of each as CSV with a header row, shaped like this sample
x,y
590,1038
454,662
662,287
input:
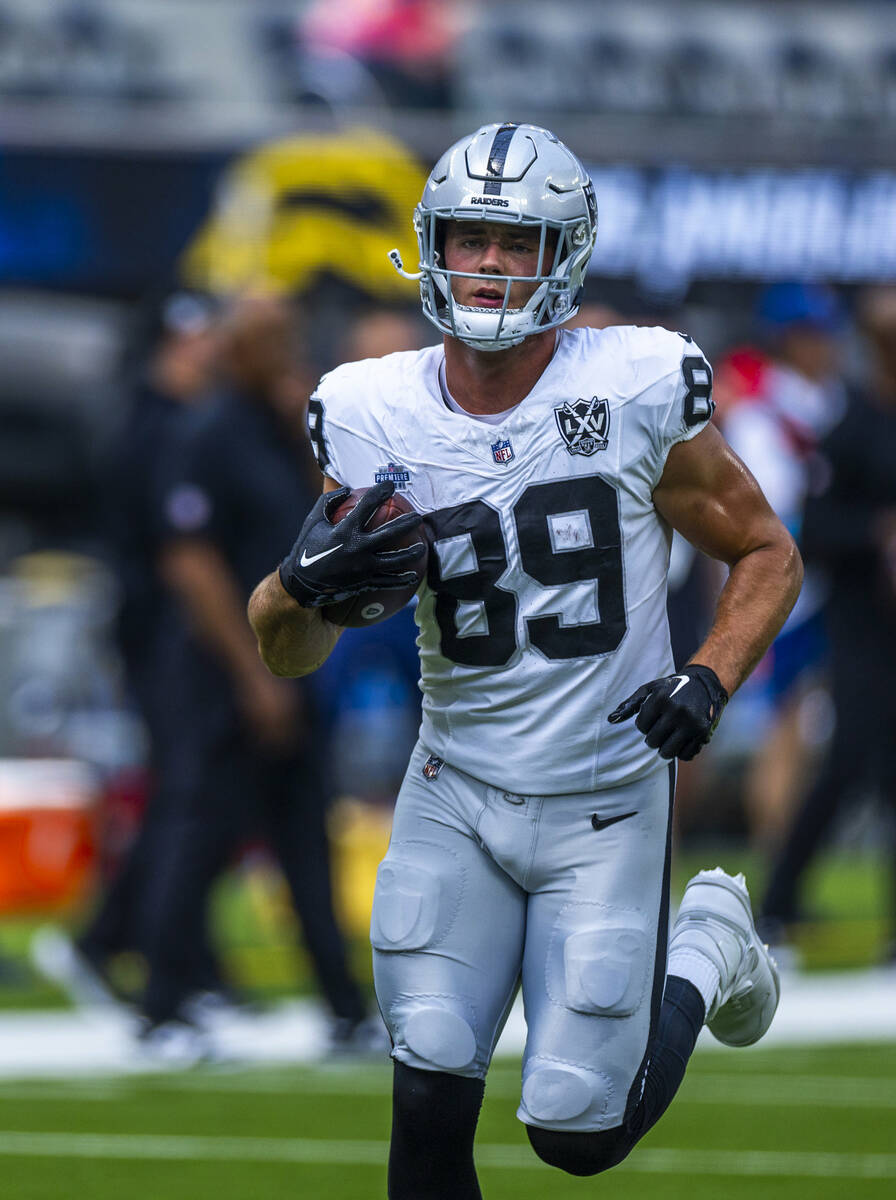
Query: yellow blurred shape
x,y
295,209
359,835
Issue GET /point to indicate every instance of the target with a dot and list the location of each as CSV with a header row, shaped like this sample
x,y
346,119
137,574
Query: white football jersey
x,y
545,602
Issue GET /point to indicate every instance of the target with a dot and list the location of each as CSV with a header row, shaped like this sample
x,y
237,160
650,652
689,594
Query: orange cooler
x,y
47,833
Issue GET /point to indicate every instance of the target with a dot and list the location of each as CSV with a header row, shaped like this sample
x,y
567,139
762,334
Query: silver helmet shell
x,y
514,174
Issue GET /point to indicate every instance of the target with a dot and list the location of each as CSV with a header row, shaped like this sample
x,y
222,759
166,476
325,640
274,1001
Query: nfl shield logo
x,y
502,452
432,766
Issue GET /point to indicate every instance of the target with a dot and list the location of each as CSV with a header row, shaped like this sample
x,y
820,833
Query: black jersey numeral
x,y
593,551
468,561
316,433
698,404
568,532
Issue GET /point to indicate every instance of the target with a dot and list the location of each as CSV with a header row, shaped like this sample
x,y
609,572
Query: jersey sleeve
x,y
318,434
677,394
343,423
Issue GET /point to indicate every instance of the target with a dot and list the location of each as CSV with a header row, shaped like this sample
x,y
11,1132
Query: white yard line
x,y
373,1153
754,1091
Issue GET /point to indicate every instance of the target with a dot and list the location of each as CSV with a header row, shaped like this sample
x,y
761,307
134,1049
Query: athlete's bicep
x,y
709,496
330,484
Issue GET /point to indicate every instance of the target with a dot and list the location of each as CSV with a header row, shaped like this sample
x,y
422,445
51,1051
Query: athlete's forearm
x,y
760,592
292,640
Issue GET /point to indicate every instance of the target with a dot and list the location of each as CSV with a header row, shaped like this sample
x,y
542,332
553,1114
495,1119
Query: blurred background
x,y
196,202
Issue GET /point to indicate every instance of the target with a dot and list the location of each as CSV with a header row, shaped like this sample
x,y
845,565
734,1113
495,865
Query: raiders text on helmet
x,y
515,174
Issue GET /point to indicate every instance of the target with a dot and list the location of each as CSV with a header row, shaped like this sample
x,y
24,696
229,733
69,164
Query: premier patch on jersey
x,y
432,766
585,425
392,472
502,452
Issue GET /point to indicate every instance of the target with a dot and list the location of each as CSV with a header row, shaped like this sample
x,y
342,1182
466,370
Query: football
x,y
372,607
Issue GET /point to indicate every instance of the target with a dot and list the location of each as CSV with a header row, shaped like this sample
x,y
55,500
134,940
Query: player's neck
x,y
493,381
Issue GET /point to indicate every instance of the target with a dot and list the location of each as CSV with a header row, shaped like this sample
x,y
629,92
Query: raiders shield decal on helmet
x,y
584,425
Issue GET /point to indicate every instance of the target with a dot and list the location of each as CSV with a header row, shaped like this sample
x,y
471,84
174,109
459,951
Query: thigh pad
x,y
417,896
599,960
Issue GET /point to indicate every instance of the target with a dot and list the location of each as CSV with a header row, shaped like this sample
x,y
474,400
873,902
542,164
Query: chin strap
x,y
395,259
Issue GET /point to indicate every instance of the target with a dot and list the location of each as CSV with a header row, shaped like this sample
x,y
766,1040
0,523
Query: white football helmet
x,y
519,174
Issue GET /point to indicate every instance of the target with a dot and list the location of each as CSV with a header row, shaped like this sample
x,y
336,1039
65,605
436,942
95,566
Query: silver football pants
x,y
483,889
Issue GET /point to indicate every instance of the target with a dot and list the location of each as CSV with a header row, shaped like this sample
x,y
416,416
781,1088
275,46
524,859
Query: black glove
x,y
677,714
330,563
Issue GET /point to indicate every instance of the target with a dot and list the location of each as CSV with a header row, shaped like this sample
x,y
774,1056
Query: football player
x,y
531,834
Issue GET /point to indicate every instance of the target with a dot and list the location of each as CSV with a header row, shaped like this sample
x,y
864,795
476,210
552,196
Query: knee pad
x,y
432,1034
560,1091
604,963
416,897
580,1153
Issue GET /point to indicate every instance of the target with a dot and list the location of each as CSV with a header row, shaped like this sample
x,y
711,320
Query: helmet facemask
x,y
554,300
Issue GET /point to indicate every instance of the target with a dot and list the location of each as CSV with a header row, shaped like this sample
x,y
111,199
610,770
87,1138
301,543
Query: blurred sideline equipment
x,y
48,845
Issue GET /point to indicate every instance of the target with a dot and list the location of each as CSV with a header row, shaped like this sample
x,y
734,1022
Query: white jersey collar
x,y
518,423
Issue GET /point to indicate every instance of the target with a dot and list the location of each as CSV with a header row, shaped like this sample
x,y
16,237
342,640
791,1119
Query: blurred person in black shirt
x,y
241,483
849,527
176,357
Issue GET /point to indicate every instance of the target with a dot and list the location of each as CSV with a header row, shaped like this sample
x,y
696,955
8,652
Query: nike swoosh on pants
x,y
599,823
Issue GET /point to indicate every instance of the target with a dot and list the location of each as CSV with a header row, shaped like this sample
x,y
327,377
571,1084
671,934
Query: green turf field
x,y
785,1125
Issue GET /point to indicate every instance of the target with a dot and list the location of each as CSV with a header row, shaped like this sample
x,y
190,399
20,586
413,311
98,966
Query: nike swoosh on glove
x,y
330,563
677,714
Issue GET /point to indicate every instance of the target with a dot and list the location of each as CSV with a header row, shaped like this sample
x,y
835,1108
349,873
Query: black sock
x,y
681,1019
434,1119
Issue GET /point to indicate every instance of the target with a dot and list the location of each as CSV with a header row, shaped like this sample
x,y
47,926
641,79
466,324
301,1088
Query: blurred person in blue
x,y
242,476
849,530
790,396
174,357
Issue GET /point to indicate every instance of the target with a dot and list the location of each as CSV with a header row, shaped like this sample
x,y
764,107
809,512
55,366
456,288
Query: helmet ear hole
x,y
439,239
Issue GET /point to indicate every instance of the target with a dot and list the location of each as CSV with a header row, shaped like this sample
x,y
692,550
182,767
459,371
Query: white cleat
x,y
715,919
